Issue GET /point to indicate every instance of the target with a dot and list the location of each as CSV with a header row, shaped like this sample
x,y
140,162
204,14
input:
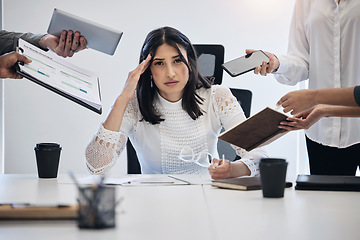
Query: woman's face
x,y
170,74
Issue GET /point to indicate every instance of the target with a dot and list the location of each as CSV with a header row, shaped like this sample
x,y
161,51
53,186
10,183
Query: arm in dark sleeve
x,y
357,95
7,40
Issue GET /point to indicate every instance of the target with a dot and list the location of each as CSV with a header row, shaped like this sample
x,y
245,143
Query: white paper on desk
x,y
95,179
193,179
156,180
109,181
169,180
144,180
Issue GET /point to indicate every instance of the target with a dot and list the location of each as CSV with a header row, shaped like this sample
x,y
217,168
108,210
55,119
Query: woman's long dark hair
x,y
146,93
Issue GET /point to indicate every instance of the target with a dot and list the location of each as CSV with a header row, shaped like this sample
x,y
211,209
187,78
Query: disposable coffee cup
x,y
47,159
273,177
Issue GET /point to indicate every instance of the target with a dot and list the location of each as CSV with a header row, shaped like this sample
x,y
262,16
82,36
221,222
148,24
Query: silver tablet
x,y
98,37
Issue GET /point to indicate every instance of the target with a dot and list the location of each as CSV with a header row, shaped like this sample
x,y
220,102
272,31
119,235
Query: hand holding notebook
x,y
256,131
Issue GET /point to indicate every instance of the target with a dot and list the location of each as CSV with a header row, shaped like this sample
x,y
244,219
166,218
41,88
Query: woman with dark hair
x,y
171,114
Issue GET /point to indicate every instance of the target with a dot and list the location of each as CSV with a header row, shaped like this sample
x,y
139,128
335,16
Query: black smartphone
x,y
245,63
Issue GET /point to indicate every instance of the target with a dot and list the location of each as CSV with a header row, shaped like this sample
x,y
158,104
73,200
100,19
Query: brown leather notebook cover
x,y
256,131
242,183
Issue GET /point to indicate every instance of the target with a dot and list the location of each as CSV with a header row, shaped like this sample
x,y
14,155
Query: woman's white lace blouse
x,y
158,146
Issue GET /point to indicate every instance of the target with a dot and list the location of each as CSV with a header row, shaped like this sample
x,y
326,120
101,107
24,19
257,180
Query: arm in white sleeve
x,y
105,147
251,159
103,150
294,67
231,114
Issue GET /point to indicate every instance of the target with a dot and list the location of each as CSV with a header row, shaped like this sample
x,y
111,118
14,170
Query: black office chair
x,y
210,58
244,97
133,165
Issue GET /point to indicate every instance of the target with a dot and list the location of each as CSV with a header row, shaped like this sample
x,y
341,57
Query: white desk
x,y
189,212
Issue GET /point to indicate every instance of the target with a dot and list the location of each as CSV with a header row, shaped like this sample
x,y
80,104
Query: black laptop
x,y
327,183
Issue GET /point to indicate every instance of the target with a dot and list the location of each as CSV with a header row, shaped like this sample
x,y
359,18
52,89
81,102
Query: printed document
x,y
60,76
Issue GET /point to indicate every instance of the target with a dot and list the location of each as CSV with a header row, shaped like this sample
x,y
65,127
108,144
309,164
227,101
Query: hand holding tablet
x,y
65,45
98,37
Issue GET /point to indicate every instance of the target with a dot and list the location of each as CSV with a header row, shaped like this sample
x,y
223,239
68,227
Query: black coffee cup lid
x,y
42,146
272,161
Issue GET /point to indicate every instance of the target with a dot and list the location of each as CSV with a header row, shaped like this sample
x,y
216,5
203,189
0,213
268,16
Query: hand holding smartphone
x,y
245,63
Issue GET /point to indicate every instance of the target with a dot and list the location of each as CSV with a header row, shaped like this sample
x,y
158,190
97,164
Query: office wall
x,y
33,114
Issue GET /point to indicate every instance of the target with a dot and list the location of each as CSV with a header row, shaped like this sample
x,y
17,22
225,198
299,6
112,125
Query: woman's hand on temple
x,y
134,76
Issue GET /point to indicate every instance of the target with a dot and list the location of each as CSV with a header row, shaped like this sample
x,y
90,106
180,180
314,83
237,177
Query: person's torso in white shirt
x,y
324,46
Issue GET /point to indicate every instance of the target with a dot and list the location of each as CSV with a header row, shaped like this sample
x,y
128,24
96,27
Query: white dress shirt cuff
x,y
283,67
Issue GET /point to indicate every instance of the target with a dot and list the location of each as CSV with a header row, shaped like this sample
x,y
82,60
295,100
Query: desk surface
x,y
189,212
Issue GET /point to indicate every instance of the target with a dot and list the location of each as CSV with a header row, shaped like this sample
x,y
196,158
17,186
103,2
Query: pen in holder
x,y
96,207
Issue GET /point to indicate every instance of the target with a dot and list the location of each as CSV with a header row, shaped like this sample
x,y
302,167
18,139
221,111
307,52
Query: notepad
x,y
242,183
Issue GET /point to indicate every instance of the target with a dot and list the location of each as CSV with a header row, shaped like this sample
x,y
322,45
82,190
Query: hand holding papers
x,y
56,74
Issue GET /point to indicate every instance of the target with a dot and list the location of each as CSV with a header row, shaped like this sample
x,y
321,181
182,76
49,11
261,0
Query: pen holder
x,y
96,207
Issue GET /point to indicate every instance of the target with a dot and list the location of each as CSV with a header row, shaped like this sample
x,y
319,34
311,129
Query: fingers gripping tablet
x,y
98,37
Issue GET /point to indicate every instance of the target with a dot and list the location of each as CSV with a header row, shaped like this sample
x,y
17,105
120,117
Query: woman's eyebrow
x,y
157,58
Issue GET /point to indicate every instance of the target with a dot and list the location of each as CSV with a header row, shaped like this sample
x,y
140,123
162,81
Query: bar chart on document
x,y
55,71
